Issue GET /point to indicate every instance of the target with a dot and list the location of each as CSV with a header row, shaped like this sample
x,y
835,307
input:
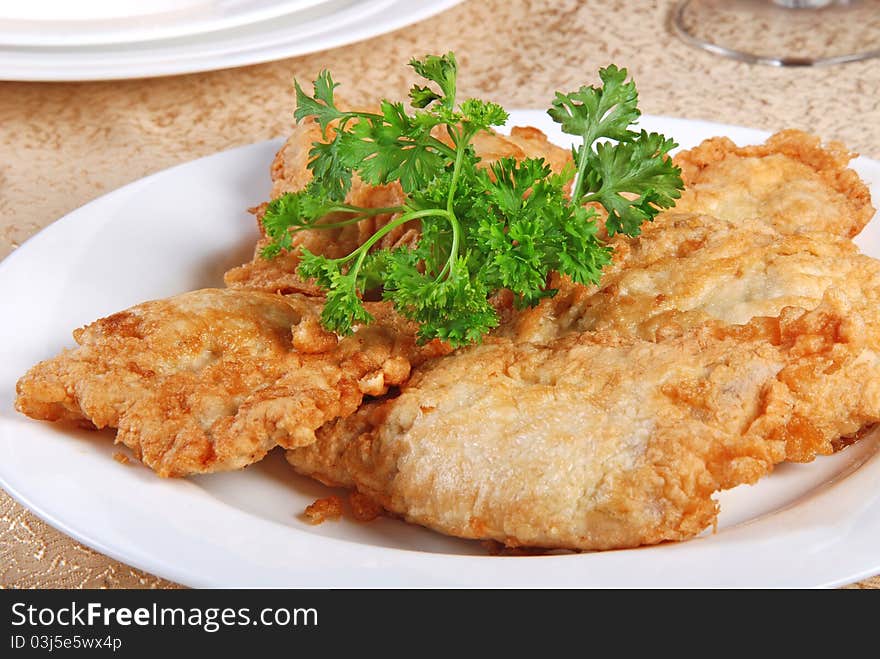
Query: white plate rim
x,y
172,24
786,560
217,50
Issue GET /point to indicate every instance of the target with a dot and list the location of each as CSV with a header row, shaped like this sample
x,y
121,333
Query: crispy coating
x,y
324,509
522,142
325,459
598,441
686,269
792,182
364,508
290,174
212,380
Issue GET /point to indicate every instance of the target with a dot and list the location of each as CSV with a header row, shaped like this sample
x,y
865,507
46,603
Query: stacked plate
x,y
110,39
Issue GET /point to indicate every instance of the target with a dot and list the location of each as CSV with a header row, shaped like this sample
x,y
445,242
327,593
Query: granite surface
x,y
62,145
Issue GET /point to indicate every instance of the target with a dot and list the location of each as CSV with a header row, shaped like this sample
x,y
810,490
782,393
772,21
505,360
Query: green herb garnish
x,y
507,226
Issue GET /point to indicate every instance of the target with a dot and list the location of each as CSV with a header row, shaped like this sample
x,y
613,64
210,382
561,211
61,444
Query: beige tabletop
x,y
62,145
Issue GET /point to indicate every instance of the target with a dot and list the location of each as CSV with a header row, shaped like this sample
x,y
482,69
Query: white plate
x,y
328,25
805,525
89,22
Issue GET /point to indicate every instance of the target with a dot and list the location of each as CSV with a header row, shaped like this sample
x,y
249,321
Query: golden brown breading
x,y
598,441
211,380
363,507
324,460
290,174
792,182
522,142
708,268
324,509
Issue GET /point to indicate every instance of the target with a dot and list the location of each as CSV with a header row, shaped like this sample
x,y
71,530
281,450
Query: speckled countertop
x,y
62,145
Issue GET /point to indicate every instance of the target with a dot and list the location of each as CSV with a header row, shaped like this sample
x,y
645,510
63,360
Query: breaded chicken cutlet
x,y
212,380
597,441
700,327
533,439
686,269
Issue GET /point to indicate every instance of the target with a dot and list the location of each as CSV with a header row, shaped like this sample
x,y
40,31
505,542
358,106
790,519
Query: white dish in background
x,y
89,22
805,525
329,24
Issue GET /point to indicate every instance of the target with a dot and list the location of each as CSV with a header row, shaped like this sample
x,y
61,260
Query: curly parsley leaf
x,y
393,147
454,309
596,112
442,70
530,229
631,176
639,169
343,308
422,97
479,115
289,213
330,171
321,106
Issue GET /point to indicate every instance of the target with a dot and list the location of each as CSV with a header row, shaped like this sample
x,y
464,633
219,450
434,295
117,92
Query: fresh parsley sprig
x,y
635,164
508,226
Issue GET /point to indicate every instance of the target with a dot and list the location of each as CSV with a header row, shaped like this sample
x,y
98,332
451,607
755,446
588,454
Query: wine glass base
x,y
782,32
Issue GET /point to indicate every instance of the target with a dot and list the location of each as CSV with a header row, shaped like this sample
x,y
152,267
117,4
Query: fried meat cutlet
x,y
598,441
693,292
212,380
522,142
694,368
607,416
791,181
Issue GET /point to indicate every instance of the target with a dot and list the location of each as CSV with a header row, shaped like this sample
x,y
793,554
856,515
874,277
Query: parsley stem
x,y
362,251
403,219
453,251
581,172
447,150
367,212
356,268
360,215
461,143
347,116
589,137
456,170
